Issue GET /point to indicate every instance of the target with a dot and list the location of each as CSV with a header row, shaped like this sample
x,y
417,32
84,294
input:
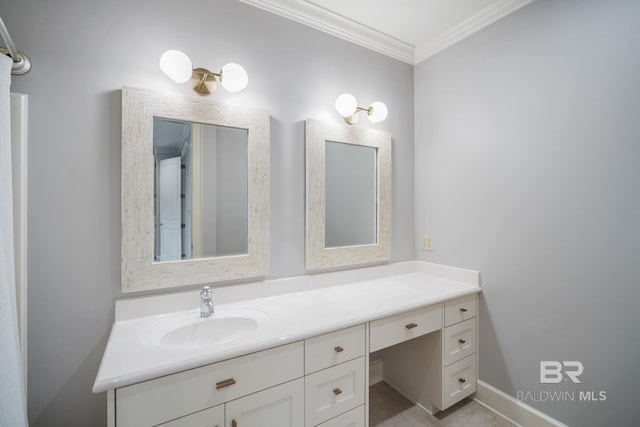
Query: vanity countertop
x,y
134,352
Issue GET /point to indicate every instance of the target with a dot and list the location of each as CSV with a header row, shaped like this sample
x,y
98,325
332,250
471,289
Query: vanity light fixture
x,y
178,67
347,106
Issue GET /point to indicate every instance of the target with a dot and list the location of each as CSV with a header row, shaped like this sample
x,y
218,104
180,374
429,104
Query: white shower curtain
x,y
13,411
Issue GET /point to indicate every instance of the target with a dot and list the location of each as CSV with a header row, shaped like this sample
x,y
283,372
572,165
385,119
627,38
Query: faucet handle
x,y
206,291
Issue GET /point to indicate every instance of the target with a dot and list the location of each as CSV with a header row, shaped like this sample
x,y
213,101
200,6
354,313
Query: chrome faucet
x,y
206,302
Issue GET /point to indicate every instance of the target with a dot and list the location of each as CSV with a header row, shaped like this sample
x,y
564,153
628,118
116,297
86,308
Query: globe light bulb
x,y
233,77
346,104
377,112
176,65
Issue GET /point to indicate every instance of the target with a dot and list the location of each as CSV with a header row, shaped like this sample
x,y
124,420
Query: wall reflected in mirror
x,y
200,190
350,195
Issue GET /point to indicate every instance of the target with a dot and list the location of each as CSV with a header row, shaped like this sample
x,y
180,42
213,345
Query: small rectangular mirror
x,y
348,199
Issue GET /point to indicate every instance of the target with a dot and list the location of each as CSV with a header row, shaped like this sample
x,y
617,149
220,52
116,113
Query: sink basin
x,y
226,325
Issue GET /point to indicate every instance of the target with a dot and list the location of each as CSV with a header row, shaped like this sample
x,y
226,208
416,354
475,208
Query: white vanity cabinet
x,y
302,367
179,395
429,355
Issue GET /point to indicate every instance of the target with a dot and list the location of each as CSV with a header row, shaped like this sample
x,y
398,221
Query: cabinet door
x,y
353,418
281,406
212,417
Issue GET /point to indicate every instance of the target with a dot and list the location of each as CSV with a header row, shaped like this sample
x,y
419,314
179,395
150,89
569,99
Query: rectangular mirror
x,y
348,199
195,191
201,191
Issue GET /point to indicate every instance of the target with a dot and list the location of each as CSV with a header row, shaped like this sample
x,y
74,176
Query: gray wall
x,y
527,151
83,52
231,192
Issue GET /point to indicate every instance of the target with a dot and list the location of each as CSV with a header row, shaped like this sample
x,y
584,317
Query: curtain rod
x,y
21,63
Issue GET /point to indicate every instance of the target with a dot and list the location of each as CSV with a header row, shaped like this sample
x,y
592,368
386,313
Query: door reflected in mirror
x,y
201,190
350,195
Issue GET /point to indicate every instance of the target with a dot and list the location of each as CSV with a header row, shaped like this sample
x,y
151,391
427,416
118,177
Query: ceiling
x,y
408,30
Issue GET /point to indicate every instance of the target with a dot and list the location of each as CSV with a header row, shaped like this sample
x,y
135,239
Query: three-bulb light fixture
x,y
178,67
347,106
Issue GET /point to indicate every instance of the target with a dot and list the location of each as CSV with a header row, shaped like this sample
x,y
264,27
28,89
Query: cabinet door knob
x,y
411,325
462,380
339,349
337,391
463,310
225,383
234,423
461,341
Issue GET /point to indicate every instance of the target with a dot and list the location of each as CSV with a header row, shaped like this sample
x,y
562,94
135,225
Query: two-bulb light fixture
x,y
347,106
178,67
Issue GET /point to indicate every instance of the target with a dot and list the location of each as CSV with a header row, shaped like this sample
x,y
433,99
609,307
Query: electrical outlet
x,y
427,243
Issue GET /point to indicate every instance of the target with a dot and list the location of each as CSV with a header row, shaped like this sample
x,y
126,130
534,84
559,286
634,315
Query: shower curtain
x,y
13,411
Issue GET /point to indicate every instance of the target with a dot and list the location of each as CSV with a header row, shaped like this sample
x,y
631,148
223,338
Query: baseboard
x,y
375,372
512,409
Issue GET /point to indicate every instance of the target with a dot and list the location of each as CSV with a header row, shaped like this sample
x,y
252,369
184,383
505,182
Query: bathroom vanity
x,y
301,356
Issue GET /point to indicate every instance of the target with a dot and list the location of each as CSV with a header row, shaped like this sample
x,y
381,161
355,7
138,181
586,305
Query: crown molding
x,y
337,25
480,20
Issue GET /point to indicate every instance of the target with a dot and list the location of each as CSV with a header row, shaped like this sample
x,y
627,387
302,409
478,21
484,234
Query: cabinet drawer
x,y
173,396
281,406
404,326
334,348
212,417
353,418
459,341
459,309
335,390
459,380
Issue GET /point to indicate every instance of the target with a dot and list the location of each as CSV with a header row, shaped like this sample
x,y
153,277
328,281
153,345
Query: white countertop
x,y
134,354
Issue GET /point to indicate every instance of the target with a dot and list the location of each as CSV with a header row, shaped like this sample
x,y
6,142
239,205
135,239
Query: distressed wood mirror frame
x,y
319,257
139,271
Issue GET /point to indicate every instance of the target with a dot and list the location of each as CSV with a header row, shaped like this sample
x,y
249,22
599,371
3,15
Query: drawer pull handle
x,y
337,391
225,383
339,349
463,310
234,423
462,380
461,341
411,325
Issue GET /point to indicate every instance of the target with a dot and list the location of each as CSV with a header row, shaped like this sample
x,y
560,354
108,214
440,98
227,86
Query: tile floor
x,y
388,408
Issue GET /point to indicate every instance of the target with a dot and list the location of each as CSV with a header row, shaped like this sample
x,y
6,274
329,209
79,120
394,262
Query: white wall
x,y
83,52
527,169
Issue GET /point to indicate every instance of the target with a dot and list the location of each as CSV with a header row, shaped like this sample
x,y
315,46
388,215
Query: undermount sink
x,y
226,325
